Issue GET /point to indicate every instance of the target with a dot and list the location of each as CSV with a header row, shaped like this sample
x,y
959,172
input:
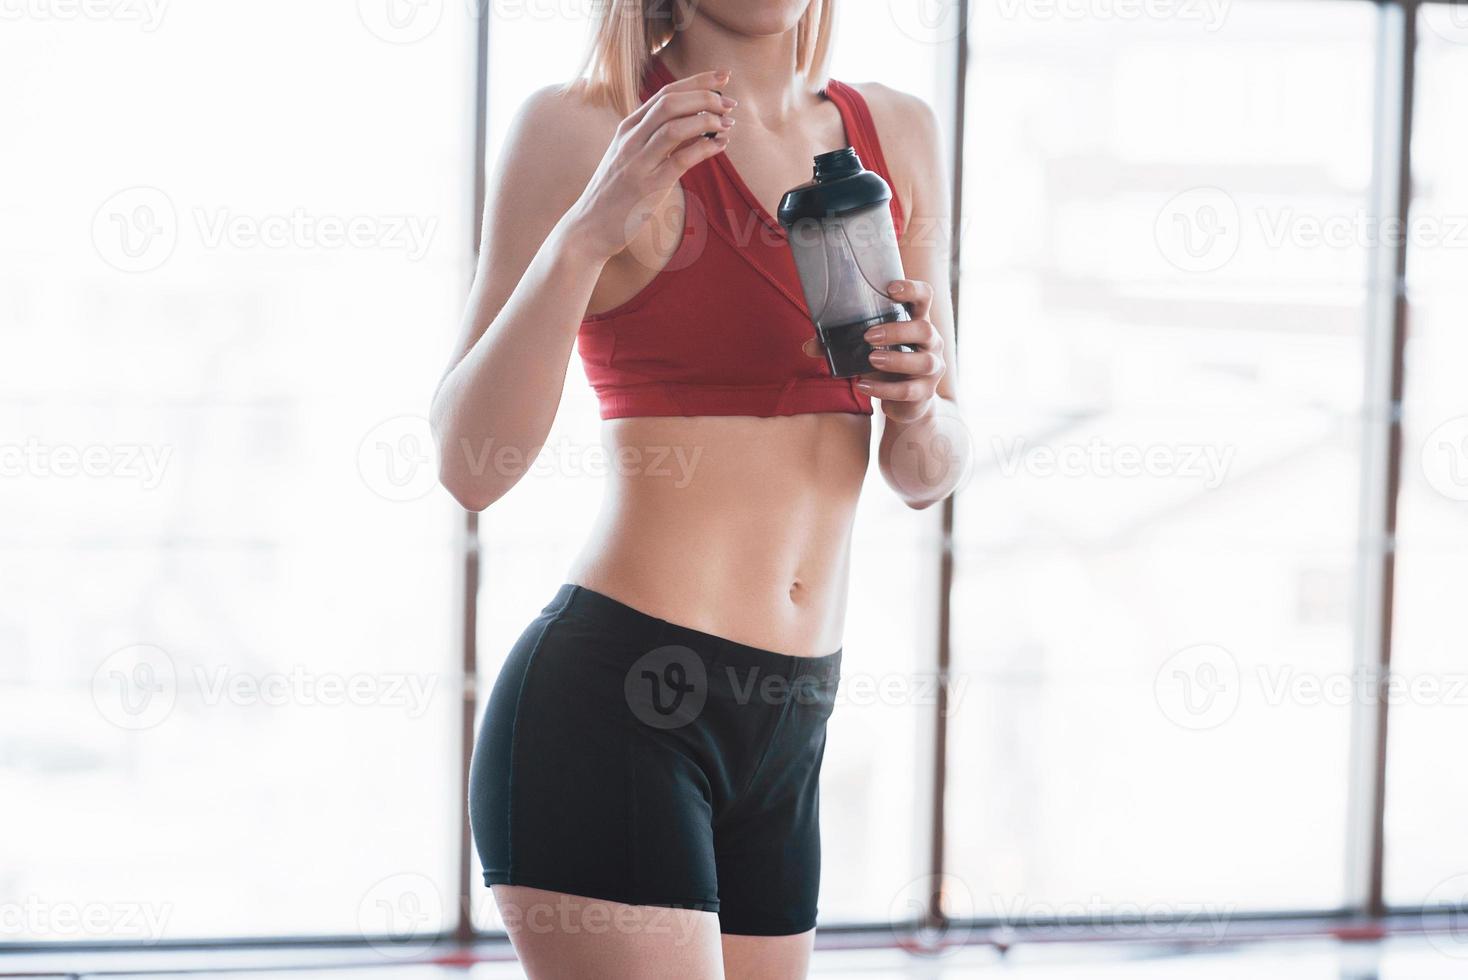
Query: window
x,y
230,624
1162,363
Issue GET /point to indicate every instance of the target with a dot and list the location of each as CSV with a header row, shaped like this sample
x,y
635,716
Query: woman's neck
x,y
763,75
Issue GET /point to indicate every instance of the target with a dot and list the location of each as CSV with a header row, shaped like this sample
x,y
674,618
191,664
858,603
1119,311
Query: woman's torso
x,y
735,525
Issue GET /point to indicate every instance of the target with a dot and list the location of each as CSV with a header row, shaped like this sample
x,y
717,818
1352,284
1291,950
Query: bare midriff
x,y
735,526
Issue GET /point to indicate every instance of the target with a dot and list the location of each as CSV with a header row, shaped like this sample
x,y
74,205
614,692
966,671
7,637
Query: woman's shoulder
x,y
567,117
570,102
907,128
899,112
554,144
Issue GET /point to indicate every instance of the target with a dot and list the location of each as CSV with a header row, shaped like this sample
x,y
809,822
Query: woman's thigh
x,y
567,937
768,957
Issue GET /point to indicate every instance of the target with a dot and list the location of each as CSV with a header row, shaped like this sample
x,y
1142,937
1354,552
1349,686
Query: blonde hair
x,y
627,33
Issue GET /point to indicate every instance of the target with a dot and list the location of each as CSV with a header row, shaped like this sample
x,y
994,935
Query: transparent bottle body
x,y
845,265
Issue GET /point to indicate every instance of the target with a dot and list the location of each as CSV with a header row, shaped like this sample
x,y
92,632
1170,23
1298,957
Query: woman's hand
x,y
906,382
652,149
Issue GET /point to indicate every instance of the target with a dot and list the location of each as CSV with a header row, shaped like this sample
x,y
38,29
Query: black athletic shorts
x,y
628,759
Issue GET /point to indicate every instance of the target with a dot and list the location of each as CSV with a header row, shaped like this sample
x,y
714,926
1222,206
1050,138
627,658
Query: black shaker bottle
x,y
839,226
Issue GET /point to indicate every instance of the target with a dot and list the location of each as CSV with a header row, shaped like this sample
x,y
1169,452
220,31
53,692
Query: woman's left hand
x,y
906,381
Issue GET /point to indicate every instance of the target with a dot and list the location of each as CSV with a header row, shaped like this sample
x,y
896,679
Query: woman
x,y
643,793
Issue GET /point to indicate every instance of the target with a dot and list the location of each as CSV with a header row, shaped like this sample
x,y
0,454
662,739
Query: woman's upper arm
x,y
549,155
913,146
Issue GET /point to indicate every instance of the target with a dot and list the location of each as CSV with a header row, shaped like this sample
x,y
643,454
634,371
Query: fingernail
x,y
876,335
726,121
721,139
864,386
729,103
722,74
878,357
896,289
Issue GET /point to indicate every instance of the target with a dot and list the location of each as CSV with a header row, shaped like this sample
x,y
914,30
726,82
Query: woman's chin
x,y
765,18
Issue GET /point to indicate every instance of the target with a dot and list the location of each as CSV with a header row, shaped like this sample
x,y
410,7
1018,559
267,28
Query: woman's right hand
x,y
652,149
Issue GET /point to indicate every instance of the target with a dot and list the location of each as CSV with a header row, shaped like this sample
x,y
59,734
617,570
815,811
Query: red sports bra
x,y
719,330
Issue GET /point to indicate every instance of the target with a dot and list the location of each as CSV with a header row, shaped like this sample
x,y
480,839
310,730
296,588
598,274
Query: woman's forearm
x,y
493,410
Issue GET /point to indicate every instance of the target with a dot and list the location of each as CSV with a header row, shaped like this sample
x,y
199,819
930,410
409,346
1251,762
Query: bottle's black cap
x,y
839,185
838,163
